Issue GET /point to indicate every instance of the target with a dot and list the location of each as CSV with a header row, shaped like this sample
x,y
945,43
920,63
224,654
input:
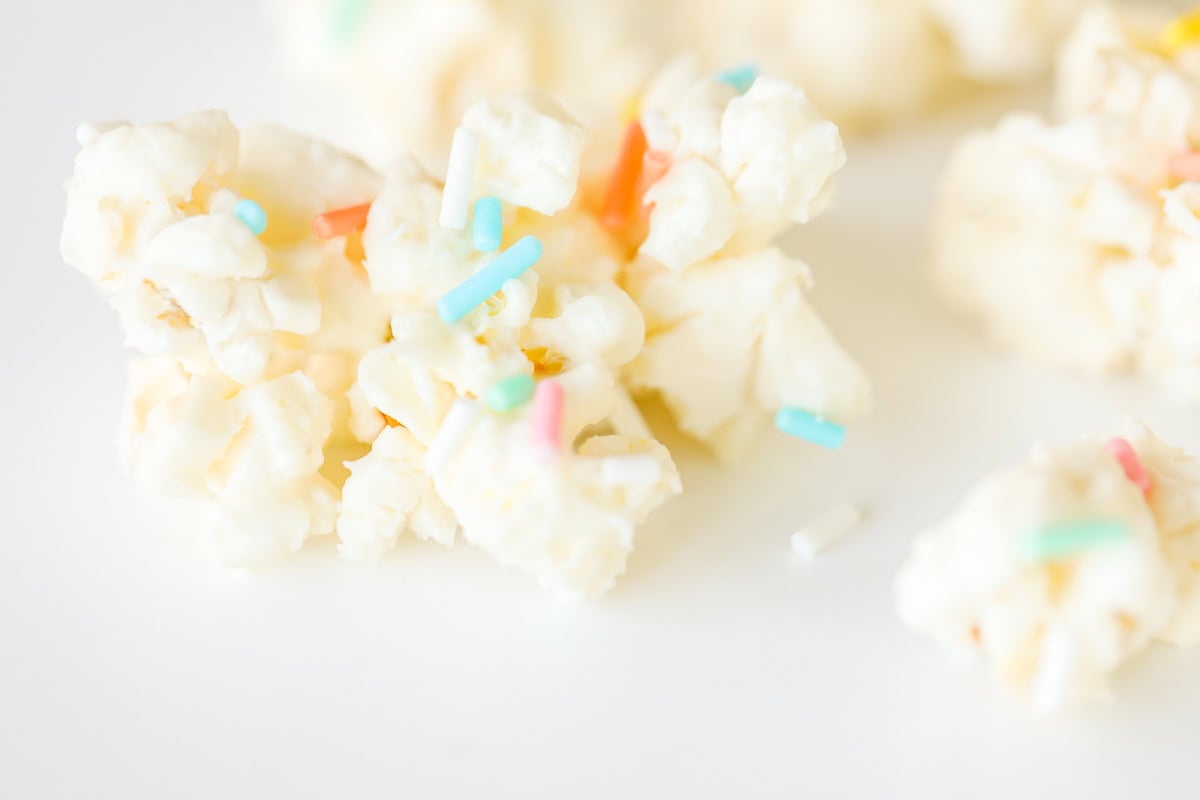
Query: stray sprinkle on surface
x,y
823,531
1056,668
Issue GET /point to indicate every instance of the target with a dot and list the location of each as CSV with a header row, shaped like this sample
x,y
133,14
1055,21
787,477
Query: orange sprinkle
x,y
1184,165
340,222
623,186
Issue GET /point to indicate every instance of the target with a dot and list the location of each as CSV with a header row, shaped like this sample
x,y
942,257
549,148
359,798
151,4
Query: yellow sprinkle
x,y
1184,32
632,109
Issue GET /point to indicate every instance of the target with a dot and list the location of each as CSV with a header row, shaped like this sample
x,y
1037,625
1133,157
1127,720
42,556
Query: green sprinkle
x,y
509,393
347,18
1066,539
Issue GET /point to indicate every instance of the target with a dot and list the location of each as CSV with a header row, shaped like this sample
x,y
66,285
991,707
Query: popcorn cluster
x,y
1058,571
267,359
1075,242
416,67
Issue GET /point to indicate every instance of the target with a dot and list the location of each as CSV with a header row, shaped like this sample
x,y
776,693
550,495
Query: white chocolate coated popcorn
x,y
1004,41
564,320
301,385
730,334
1073,243
243,462
529,150
389,492
765,158
733,338
151,218
561,520
251,341
1110,43
971,586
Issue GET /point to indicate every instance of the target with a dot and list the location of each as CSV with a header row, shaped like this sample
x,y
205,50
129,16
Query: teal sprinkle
x,y
347,19
487,226
1063,540
509,393
806,425
252,214
741,78
475,290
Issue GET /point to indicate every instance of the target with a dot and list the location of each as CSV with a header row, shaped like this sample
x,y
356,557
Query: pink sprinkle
x,y
1124,453
547,417
1184,165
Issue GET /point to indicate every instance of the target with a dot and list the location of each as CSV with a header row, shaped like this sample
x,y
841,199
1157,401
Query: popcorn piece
x,y
244,462
734,338
410,255
681,113
563,320
823,531
1003,41
780,155
586,323
730,337
1098,62
1057,622
1072,243
529,150
693,215
388,492
151,218
565,524
254,340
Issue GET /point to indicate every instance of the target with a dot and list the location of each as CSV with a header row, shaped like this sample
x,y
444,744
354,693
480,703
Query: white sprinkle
x,y
626,419
631,470
824,530
88,131
460,179
1052,684
449,437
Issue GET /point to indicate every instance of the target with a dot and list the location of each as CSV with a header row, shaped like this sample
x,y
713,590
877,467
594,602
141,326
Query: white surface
x,y
720,666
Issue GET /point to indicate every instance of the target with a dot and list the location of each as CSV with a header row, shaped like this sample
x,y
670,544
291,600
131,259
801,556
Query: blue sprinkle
x,y
476,289
805,425
741,78
487,226
252,214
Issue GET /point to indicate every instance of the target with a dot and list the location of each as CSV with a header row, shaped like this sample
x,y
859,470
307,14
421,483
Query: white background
x,y
720,666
